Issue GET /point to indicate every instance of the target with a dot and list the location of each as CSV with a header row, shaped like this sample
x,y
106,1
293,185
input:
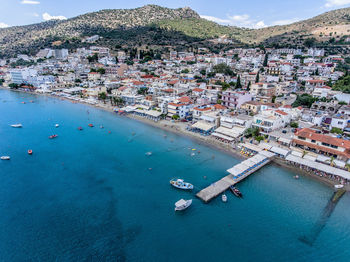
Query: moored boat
x,y
17,125
30,152
182,204
57,125
236,191
224,198
5,158
53,136
90,125
181,184
338,186
80,128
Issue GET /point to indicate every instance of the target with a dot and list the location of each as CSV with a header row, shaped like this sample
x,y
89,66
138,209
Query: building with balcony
x,y
234,99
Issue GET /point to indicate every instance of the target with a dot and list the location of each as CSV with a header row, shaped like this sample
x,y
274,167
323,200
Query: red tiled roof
x,y
198,90
202,109
311,134
218,106
346,153
281,112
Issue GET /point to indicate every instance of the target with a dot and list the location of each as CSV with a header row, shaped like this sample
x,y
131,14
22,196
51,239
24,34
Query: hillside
x,y
160,26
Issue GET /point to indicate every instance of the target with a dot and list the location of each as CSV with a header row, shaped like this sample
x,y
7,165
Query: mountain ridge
x,y
156,25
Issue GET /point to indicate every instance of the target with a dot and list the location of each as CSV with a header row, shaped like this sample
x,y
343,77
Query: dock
x,y
236,174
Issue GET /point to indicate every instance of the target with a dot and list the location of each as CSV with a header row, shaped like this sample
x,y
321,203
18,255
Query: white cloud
x,y
237,20
47,17
3,25
29,2
335,3
285,21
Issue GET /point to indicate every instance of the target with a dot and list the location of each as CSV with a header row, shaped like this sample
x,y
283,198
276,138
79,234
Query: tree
x,y
273,100
257,79
336,130
185,71
310,42
294,125
102,96
238,84
266,60
203,72
1,81
304,100
101,70
248,86
93,58
175,117
142,91
331,160
223,69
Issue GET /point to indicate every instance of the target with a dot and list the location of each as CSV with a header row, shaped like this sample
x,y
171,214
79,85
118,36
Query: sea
x,y
96,195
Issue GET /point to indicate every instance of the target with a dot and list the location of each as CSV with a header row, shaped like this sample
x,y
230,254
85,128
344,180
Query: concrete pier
x,y
237,174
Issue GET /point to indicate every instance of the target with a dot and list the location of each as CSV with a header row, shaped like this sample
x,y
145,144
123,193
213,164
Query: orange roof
x,y
174,104
169,90
202,109
218,106
281,112
137,83
346,153
198,90
173,82
184,99
311,134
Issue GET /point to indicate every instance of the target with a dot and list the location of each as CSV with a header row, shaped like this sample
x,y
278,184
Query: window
x,y
301,138
325,144
313,141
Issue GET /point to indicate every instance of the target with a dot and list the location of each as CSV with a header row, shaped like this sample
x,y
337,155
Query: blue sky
x,y
247,13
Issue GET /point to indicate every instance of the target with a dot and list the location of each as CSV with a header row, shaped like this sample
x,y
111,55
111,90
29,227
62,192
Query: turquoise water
x,y
91,196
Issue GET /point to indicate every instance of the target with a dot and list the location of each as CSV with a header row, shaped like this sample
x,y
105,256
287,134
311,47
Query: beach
x,y
180,129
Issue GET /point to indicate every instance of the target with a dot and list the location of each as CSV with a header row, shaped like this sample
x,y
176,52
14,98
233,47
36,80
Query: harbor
x,y
236,174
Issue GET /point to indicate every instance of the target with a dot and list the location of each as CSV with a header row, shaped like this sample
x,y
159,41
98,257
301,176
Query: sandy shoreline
x,y
208,141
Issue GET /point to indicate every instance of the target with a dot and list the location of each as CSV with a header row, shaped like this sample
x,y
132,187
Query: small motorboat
x,y
80,128
101,127
236,191
181,184
17,125
182,204
5,158
148,153
30,152
53,136
296,177
90,125
57,125
224,198
338,186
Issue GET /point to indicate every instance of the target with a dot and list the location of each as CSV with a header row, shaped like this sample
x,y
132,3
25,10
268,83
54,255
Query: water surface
x,y
92,195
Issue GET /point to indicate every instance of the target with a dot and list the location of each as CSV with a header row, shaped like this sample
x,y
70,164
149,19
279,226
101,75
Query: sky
x,y
246,13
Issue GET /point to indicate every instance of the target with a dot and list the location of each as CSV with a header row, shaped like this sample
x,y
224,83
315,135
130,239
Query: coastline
x,y
208,141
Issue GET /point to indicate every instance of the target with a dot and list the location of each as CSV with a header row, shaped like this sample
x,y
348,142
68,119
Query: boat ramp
x,y
237,174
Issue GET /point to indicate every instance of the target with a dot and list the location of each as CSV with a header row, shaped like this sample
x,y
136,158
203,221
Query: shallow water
x,y
90,195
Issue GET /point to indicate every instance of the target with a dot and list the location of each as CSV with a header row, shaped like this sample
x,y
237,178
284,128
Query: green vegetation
x,y
336,130
343,84
142,91
175,117
252,132
305,100
102,96
223,69
294,125
2,81
93,58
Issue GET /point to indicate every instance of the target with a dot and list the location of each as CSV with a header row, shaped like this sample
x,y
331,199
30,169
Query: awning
x,y
252,147
280,151
203,126
284,140
230,139
319,166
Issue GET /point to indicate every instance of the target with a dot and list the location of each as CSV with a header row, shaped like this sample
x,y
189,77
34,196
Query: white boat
x,y
17,125
148,154
181,184
182,204
224,198
57,125
338,186
5,158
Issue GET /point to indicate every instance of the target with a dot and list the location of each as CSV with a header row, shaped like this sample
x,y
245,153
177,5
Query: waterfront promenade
x,y
237,174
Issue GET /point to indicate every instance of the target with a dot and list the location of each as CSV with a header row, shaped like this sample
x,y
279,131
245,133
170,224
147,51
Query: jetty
x,y
236,174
